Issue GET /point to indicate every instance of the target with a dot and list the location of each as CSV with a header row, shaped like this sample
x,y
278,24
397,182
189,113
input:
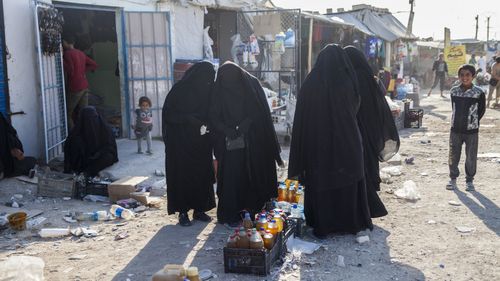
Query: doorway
x,y
95,34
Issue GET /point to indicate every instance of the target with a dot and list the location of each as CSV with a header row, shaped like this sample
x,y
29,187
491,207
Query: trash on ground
x,y
22,268
96,198
298,245
69,219
410,160
454,203
424,174
340,261
121,236
431,222
159,173
393,170
363,239
489,155
408,191
28,179
34,222
389,191
54,232
77,257
385,178
17,221
129,203
395,160
465,229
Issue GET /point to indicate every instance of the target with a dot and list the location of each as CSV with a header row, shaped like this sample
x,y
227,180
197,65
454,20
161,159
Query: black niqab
x,y
8,141
90,146
378,131
246,177
326,151
188,154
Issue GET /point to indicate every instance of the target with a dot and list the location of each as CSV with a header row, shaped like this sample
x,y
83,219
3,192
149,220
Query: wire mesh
x,y
149,61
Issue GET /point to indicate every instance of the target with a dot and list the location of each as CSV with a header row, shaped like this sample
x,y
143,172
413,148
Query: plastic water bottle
x,y
295,211
121,212
93,216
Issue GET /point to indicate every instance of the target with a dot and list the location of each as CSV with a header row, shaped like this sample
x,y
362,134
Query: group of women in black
x,y
342,128
227,117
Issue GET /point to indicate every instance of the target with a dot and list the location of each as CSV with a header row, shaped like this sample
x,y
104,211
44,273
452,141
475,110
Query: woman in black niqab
x,y
12,159
188,149
326,152
91,145
246,176
378,131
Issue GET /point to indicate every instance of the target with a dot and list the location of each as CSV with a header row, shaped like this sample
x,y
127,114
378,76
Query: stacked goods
x,y
290,191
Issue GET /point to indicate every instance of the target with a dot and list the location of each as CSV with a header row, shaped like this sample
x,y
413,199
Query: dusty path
x,y
416,241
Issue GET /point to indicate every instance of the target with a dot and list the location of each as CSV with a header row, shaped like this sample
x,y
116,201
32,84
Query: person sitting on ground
x,y
468,103
90,146
12,160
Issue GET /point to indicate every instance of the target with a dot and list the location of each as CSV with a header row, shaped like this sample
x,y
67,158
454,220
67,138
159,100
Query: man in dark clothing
x,y
12,159
76,63
188,147
326,152
441,69
469,104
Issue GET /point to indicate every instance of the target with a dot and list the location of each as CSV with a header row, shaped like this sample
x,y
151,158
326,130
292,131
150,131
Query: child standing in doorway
x,y
143,124
468,103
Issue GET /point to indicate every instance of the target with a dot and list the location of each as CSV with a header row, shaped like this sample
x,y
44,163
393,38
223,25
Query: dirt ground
x,y
416,241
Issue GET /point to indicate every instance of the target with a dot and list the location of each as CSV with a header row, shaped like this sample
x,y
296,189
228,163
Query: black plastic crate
x,y
252,261
413,118
299,226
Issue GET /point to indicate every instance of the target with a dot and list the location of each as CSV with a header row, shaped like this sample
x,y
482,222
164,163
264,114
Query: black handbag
x,y
493,82
234,144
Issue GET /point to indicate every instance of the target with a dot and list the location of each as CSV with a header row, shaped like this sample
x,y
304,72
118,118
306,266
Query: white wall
x,y
187,32
23,74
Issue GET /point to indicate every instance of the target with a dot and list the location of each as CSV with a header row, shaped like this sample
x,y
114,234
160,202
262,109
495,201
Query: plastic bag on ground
x,y
393,170
22,268
297,245
408,191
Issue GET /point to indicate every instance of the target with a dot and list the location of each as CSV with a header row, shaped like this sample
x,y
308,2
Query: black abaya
x,y
378,131
326,151
188,154
246,177
90,146
9,165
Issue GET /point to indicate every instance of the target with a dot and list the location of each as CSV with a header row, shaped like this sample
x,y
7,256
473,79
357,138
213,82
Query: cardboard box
x,y
122,188
142,197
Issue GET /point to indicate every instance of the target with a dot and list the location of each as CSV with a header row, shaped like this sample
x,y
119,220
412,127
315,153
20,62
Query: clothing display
x,y
326,152
246,177
188,148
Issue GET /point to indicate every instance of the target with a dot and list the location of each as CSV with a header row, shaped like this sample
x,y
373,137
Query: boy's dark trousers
x,y
471,142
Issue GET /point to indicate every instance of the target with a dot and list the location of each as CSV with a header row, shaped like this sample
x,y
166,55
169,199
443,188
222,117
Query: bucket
x,y
17,221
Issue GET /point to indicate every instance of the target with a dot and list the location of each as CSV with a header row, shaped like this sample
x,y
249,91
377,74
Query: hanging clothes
x,y
246,145
188,148
91,145
378,131
326,152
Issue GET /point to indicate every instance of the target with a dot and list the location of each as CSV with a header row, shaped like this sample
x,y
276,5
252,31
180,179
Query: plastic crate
x,y
56,185
413,118
252,261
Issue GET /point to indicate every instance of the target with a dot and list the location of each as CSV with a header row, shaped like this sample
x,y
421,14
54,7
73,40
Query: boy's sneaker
x,y
469,186
452,184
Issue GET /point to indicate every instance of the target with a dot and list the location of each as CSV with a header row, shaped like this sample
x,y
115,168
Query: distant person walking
x,y
494,82
76,63
468,107
441,70
481,63
472,60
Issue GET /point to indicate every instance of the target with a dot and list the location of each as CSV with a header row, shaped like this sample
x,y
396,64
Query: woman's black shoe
x,y
184,219
201,216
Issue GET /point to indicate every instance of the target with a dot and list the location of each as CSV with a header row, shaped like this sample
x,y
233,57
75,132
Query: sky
x,y
431,16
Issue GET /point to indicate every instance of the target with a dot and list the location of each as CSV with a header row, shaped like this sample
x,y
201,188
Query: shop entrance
x,y
95,33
